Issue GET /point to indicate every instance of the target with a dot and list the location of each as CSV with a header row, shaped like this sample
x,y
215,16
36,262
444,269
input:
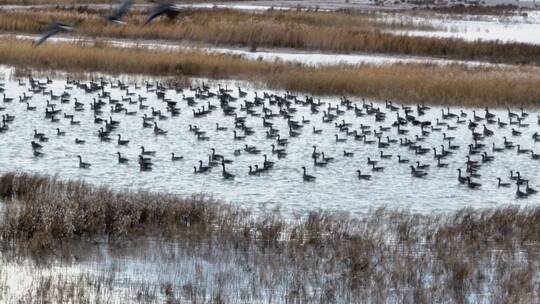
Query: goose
x,y
535,156
501,184
121,160
158,131
253,172
74,122
53,29
440,164
38,135
119,13
218,128
421,167
146,152
495,149
348,154
376,169
326,159
307,177
176,158
60,133
461,179
385,156
80,141
122,142
29,108
529,190
267,164
522,151
202,168
38,153
472,185
36,146
225,174
317,131
515,132
238,137
82,164
363,176
338,140
519,193
417,173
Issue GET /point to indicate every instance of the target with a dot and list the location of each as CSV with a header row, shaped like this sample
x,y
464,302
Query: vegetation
x,y
432,84
488,255
327,31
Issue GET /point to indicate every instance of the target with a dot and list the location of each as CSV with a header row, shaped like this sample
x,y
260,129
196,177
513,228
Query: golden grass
x,y
335,31
382,255
405,83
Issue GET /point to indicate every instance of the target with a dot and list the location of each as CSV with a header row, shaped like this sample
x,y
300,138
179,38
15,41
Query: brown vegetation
x,y
405,83
327,31
489,255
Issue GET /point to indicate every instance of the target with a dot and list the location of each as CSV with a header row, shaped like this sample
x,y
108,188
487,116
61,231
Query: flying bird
x,y
162,9
53,29
120,12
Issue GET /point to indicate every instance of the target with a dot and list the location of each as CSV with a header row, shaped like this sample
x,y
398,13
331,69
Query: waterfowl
x,y
122,142
417,173
519,193
36,146
82,164
146,152
528,189
80,141
60,133
176,158
363,176
307,177
472,185
225,174
348,154
122,160
461,179
501,184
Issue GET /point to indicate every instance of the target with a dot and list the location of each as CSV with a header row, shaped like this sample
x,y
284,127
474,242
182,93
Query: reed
x,y
334,31
445,85
489,254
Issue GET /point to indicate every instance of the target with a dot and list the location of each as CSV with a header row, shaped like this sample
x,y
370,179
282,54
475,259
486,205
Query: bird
x,y
53,29
119,13
166,9
82,164
307,177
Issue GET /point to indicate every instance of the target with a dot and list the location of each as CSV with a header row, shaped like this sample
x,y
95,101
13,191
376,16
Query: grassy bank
x,y
326,31
405,83
483,254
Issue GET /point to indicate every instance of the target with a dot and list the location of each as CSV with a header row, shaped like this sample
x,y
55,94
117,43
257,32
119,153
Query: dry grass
x,y
406,83
336,32
488,255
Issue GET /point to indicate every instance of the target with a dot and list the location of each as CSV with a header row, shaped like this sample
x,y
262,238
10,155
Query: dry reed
x,y
432,84
380,256
335,31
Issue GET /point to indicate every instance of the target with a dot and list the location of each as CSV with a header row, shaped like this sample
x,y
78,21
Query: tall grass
x,y
335,32
433,84
382,256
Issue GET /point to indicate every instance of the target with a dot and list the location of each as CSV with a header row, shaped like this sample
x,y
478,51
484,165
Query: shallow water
x,y
272,55
471,28
336,187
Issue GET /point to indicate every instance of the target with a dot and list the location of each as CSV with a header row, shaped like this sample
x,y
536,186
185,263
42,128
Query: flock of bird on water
x,y
271,107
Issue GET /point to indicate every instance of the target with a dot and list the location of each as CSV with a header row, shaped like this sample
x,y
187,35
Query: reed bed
x,y
444,85
326,31
386,255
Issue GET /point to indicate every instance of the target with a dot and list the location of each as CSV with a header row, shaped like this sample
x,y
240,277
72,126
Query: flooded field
x,y
294,119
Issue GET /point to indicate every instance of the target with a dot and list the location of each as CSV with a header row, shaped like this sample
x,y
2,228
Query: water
x,y
336,187
471,27
273,55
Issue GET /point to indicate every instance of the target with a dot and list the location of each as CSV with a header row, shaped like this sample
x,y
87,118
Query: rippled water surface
x,y
336,187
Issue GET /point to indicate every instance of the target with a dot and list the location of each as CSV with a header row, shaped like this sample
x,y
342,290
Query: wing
x,y
46,36
124,7
161,10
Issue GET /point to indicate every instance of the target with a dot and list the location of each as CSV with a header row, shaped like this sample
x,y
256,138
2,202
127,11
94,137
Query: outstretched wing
x,y
123,8
162,9
47,35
